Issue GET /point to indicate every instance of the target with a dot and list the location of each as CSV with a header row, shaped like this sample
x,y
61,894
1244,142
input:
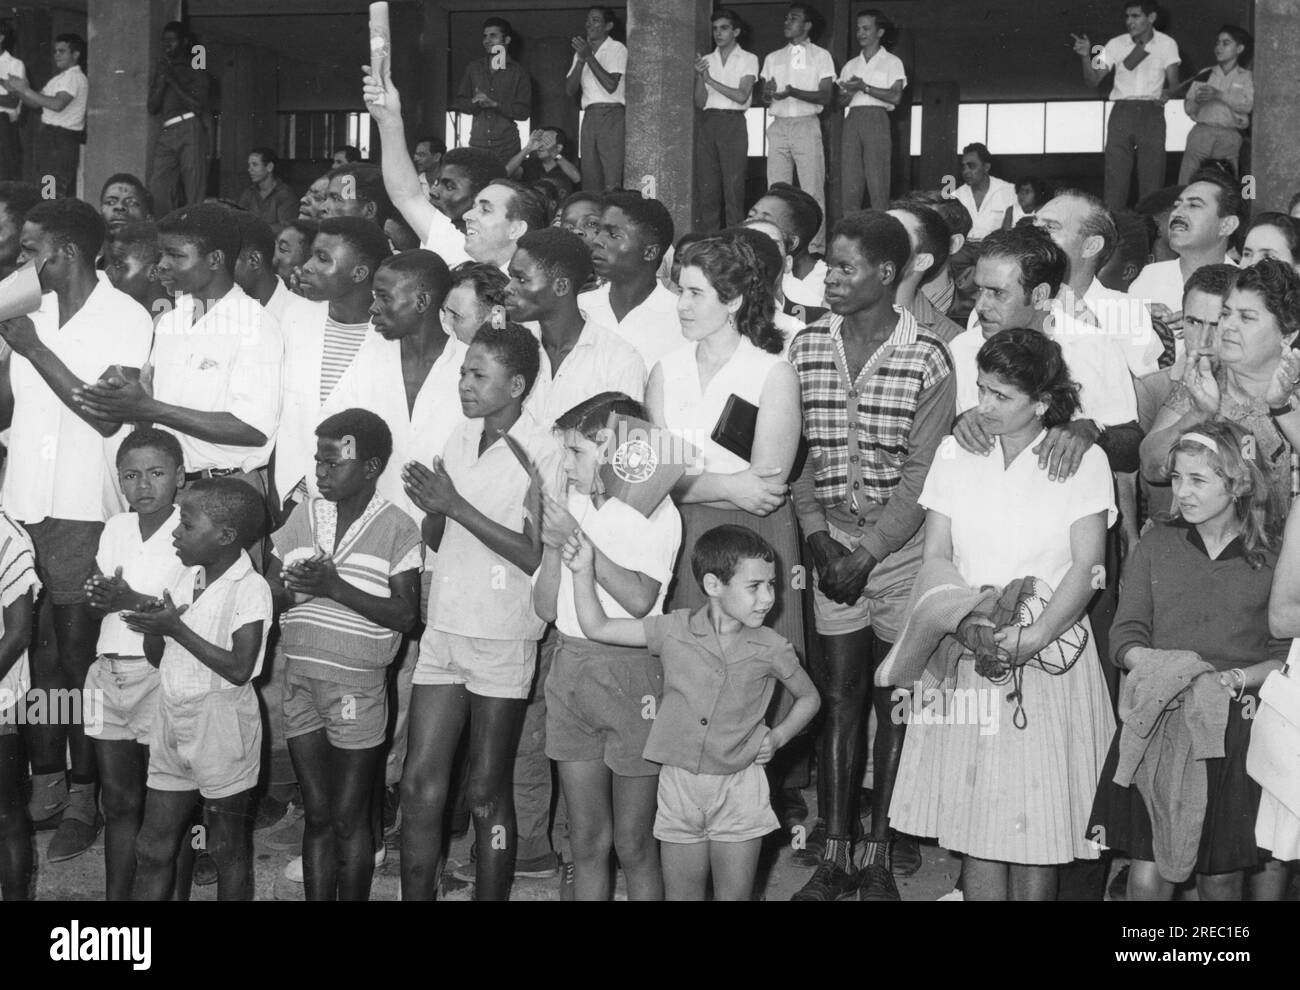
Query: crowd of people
x,y
509,483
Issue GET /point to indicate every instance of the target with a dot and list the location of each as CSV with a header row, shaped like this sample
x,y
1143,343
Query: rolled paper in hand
x,y
381,43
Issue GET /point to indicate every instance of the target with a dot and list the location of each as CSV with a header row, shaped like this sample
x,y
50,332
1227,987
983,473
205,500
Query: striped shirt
x,y
17,578
873,437
323,638
342,341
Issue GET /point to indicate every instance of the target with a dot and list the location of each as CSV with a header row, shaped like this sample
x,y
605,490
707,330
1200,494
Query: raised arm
x,y
401,181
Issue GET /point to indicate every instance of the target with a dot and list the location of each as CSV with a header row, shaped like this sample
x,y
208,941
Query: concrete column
x,y
664,37
1277,102
939,102
124,41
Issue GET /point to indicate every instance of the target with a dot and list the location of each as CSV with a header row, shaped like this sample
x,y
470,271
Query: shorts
x,y
65,556
127,700
600,704
883,604
700,807
490,668
212,743
352,717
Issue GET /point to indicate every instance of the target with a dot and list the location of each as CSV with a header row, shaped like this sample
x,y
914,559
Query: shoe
x,y
205,869
814,845
566,881
877,884
392,809
1118,888
906,855
953,895
72,838
293,868
466,872
49,799
828,883
270,812
537,868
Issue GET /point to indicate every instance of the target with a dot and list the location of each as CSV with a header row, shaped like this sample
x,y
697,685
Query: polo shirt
x,y
476,592
801,67
601,361
229,603
711,717
59,466
230,361
73,116
882,70
148,566
739,65
612,56
10,66
987,217
1147,81
652,327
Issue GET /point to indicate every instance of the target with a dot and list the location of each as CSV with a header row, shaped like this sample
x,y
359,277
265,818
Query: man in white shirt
x,y
872,85
502,212
634,234
426,158
985,199
10,152
254,269
798,81
1145,62
1220,105
60,483
1204,218
798,216
62,102
599,63
724,81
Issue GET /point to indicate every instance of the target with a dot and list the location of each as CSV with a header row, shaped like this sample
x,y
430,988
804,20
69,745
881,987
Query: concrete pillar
x,y
664,37
1277,102
939,102
124,41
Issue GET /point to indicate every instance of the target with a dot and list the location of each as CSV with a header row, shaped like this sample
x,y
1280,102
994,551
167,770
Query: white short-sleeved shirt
x,y
73,116
652,327
1124,319
148,566
279,302
374,382
1161,282
59,466
739,65
235,599
692,414
809,290
612,56
1147,81
882,70
444,240
230,361
18,564
987,217
10,66
1011,522
646,545
800,67
601,361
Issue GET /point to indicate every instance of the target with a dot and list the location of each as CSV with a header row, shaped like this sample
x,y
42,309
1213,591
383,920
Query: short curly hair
x,y
1278,285
514,346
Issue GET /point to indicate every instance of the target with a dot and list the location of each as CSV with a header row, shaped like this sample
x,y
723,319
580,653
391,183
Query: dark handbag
x,y
735,432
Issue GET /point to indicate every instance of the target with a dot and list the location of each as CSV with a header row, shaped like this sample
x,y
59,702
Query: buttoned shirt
x,y
882,70
987,217
739,65
148,566
600,361
612,56
1147,81
276,208
801,67
73,117
10,66
508,86
1236,90
652,327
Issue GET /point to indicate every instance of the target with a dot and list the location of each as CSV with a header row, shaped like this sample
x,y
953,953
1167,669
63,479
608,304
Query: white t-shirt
x,y
800,67
10,66
809,290
149,566
629,539
444,240
601,361
739,65
652,327
882,70
1147,81
987,217
1009,522
73,116
612,56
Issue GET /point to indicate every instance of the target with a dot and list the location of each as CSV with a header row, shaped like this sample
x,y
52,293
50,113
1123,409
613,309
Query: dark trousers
x,y
865,148
721,157
1136,133
179,175
601,146
57,154
11,152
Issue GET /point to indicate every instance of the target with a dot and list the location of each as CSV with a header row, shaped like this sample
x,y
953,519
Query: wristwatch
x,y
1284,410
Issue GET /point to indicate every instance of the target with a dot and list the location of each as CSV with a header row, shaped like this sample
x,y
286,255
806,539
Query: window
x,y
1057,127
1016,128
459,124
1074,127
315,135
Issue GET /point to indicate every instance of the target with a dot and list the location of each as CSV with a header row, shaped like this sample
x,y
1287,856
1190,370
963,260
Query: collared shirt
x,y
929,318
18,566
1236,90
278,304
987,217
1147,81
612,56
445,240
375,382
148,566
73,116
277,207
475,591
651,327
739,65
1161,282
230,361
805,298
871,439
229,603
711,717
1124,319
509,86
801,67
601,361
195,82
882,70
59,466
10,66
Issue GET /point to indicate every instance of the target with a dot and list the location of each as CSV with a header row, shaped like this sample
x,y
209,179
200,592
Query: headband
x,y
1200,438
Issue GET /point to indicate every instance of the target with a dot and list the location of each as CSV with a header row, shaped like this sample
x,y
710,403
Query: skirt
x,y
1277,828
981,786
1231,804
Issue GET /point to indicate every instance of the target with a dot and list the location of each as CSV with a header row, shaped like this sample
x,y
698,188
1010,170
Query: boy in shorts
x,y
135,564
18,604
720,669
346,570
208,635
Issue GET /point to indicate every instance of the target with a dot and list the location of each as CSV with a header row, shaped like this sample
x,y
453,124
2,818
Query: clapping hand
x,y
1285,381
558,523
159,618
108,594
431,488
314,577
582,47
